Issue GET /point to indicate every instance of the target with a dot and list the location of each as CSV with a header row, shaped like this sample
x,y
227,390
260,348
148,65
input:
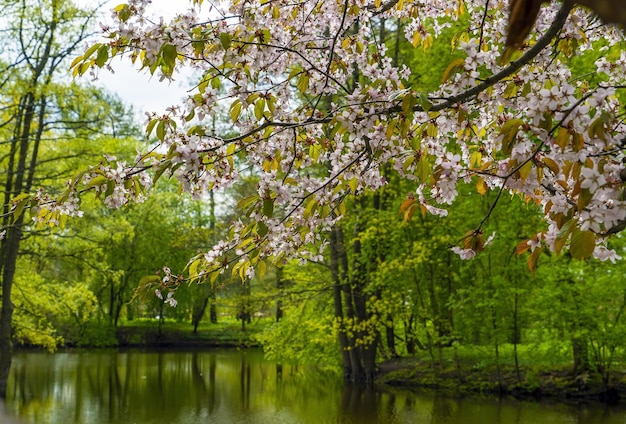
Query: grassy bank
x,y
538,374
148,333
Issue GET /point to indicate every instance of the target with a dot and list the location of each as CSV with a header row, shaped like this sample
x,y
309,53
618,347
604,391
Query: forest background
x,y
74,283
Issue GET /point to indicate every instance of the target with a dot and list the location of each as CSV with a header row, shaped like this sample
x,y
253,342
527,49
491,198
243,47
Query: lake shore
x,y
461,379
455,377
223,335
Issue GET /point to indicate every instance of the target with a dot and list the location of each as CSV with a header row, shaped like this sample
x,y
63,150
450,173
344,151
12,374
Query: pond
x,y
237,387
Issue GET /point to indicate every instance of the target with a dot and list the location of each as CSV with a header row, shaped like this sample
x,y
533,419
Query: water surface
x,y
240,387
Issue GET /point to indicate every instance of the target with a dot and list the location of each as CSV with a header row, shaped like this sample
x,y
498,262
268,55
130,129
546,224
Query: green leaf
x,y
391,128
268,207
214,275
97,181
311,206
584,198
422,170
150,126
169,55
161,168
583,244
84,68
198,47
160,130
408,102
563,235
247,202
408,162
123,12
103,55
425,103
148,279
226,40
19,202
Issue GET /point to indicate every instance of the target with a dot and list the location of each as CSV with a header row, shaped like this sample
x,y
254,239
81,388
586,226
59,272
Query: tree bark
x,y
338,304
11,246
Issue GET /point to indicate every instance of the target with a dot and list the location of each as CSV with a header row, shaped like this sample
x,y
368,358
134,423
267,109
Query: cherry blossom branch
x,y
543,42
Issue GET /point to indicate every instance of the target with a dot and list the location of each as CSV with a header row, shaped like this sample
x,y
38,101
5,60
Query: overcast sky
x,y
141,90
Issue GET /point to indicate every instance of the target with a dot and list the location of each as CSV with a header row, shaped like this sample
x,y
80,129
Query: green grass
x,y
227,332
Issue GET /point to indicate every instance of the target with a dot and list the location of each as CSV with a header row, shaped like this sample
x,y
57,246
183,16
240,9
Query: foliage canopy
x,y
323,112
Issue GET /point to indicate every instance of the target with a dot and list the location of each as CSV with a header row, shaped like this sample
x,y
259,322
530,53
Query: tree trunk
x,y
12,246
244,306
391,337
198,312
580,352
356,368
279,286
367,342
338,304
208,295
213,306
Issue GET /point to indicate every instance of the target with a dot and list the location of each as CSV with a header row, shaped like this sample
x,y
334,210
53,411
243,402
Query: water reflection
x,y
229,386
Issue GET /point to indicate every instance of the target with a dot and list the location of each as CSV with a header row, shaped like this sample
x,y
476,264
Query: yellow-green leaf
x,y
481,186
455,65
235,110
193,269
259,108
261,268
123,12
303,83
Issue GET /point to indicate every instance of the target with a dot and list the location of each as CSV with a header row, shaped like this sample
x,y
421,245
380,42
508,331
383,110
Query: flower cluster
x,y
314,134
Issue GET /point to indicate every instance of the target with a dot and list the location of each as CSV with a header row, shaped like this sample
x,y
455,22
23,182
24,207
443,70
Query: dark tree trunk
x,y
10,248
367,342
338,304
213,306
356,367
390,335
279,286
207,295
198,312
244,306
6,315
